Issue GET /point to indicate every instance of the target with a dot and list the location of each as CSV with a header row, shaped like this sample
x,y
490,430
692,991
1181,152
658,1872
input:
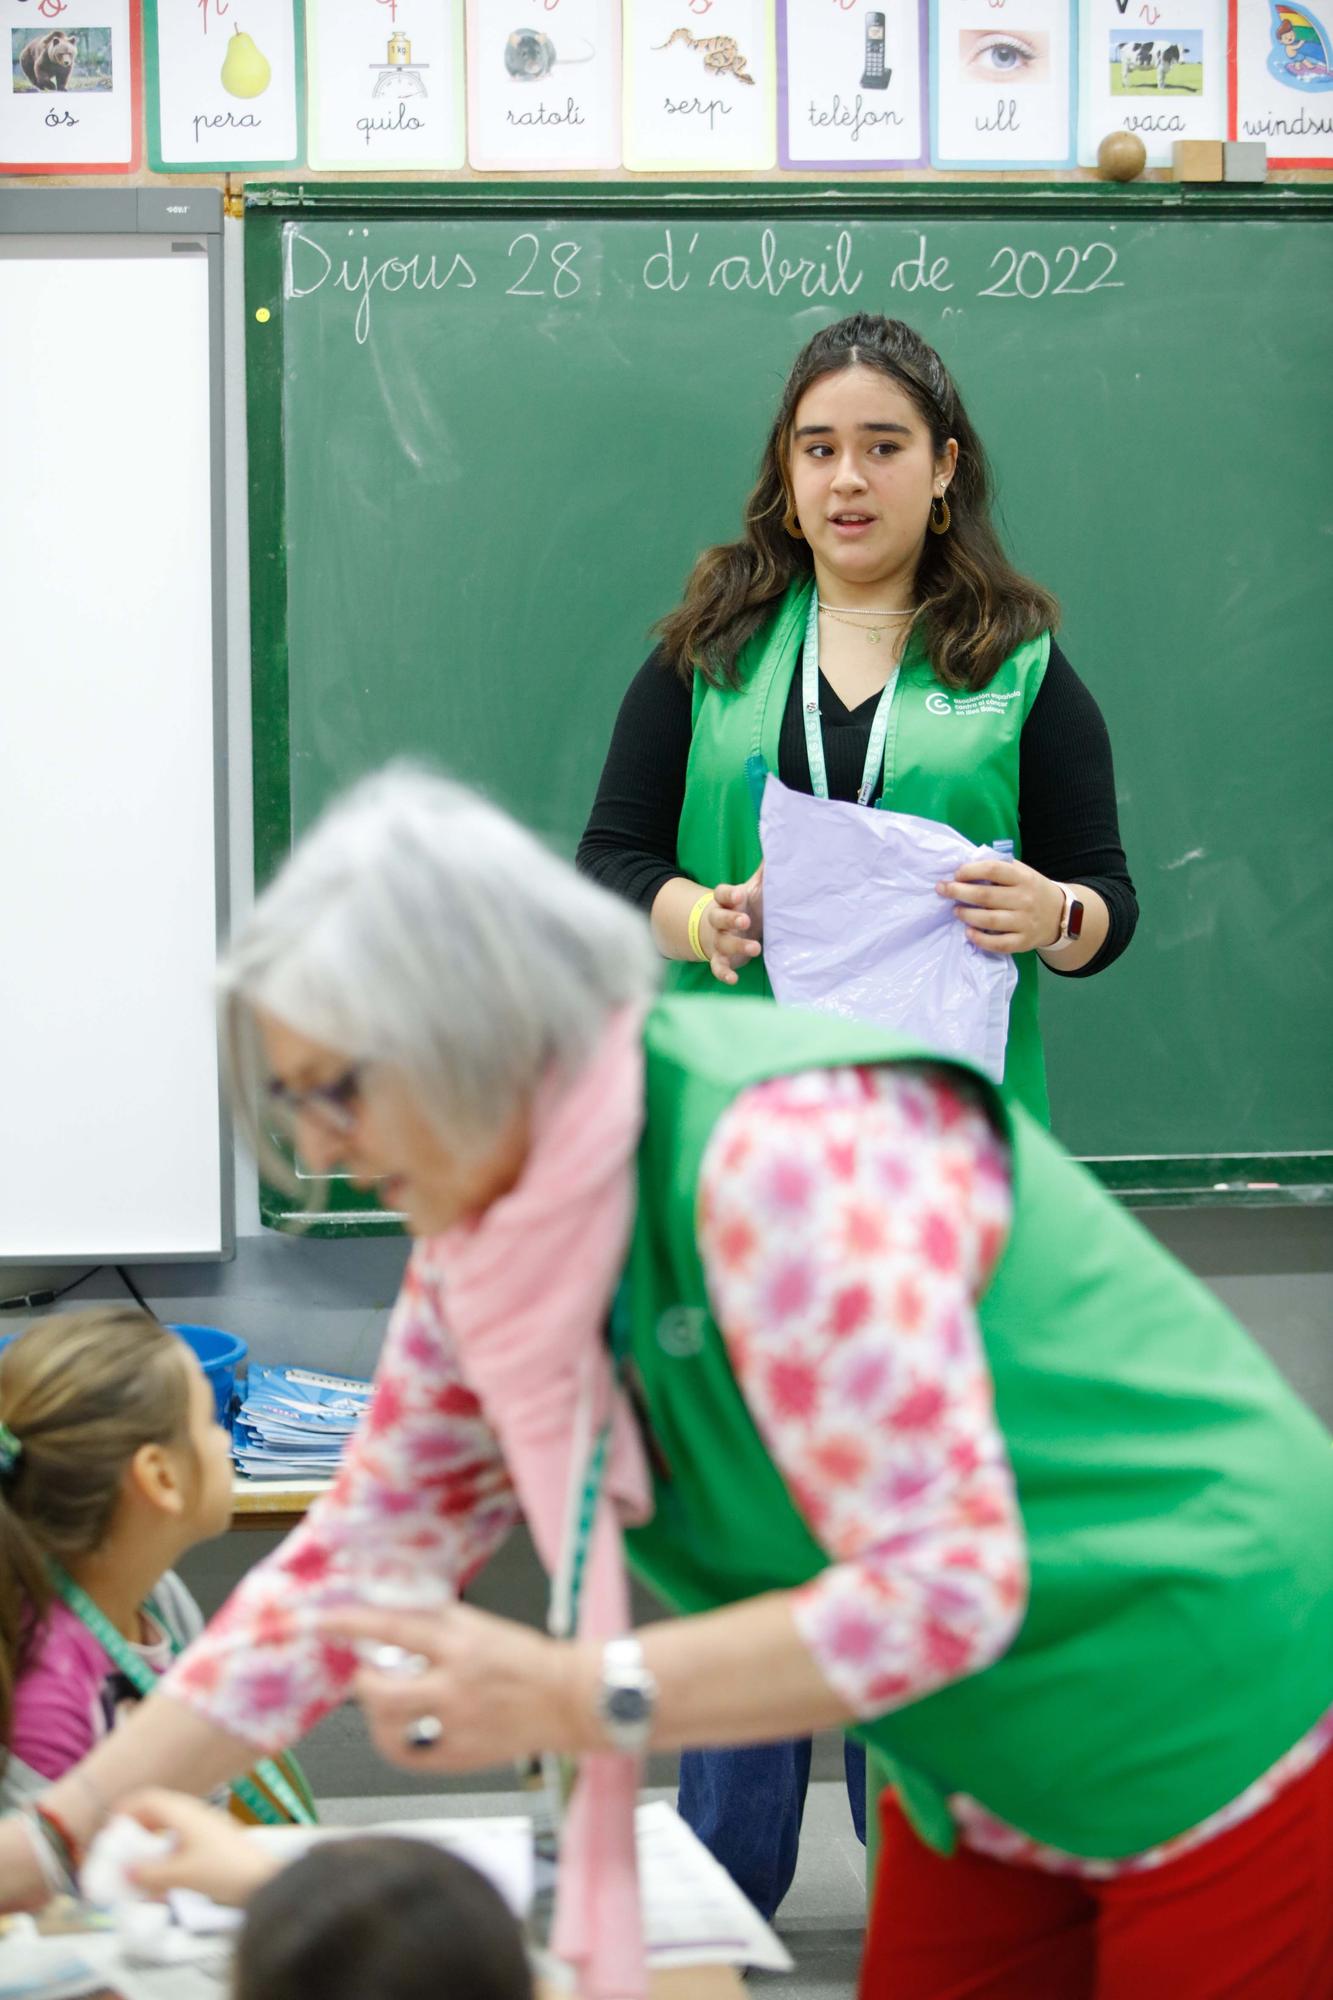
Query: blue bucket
x,y
220,1355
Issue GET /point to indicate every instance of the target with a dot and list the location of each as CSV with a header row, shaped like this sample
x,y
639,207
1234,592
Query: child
x,y
112,1465
370,1914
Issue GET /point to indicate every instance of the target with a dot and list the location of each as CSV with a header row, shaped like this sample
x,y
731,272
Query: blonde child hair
x,y
80,1394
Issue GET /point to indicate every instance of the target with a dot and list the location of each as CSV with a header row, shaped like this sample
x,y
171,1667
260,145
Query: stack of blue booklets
x,y
293,1423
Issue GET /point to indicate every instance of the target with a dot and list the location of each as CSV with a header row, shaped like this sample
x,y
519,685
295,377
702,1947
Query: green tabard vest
x,y
1177,1497
949,756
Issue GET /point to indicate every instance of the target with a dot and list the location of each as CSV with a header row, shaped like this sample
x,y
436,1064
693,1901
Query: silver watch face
x,y
627,1707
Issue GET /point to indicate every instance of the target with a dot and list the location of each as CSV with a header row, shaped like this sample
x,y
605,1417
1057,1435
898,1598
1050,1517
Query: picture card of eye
x,y
1283,58
543,84
700,88
70,103
1002,84
851,83
225,84
381,97
1162,83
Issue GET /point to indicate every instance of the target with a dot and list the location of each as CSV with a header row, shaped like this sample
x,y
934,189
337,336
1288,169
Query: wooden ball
x,y
1121,156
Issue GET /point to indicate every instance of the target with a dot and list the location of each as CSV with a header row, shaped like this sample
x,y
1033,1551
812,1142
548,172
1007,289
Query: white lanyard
x,y
814,733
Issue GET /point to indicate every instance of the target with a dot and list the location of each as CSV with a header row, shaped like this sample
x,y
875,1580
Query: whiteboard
x,y
111,1136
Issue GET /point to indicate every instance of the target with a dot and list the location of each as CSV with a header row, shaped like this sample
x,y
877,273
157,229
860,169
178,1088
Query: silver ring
x,y
393,1659
424,1733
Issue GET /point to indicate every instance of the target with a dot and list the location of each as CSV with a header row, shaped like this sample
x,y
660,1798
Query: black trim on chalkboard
x,y
775,200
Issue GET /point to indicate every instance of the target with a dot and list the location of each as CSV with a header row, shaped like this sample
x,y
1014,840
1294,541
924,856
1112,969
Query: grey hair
x,y
419,926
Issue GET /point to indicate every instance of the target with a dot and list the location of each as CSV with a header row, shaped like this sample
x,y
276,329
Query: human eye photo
x,y
1003,55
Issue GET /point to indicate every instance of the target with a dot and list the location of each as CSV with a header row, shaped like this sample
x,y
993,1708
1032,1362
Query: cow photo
x,y
1170,64
74,60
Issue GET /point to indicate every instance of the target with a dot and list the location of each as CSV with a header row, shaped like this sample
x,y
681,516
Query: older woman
x,y
920,1432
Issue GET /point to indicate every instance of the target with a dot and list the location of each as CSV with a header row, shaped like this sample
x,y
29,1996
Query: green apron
x,y
948,756
1177,1497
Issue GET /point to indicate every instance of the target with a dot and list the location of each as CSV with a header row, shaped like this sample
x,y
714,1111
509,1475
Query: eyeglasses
x,y
336,1105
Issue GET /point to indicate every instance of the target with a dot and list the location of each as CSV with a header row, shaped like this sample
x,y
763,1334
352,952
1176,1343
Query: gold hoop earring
x,y
939,520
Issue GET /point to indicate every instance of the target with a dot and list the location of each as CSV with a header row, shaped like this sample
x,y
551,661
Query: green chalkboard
x,y
490,431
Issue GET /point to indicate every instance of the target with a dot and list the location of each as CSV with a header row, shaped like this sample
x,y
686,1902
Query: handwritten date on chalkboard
x,y
532,267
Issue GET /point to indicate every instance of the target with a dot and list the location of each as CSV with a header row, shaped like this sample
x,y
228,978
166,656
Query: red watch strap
x,y
1074,925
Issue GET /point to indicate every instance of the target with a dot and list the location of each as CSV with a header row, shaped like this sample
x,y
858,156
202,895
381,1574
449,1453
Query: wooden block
x,y
1244,160
1196,160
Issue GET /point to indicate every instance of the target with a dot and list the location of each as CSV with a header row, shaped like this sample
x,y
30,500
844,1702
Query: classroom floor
x,y
820,1923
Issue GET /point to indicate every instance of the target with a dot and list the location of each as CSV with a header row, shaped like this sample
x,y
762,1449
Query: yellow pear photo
x,y
246,70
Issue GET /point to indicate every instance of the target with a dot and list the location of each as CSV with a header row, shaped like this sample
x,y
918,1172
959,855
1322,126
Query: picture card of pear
x,y
226,84
1162,83
71,101
851,83
700,85
543,87
1003,84
384,84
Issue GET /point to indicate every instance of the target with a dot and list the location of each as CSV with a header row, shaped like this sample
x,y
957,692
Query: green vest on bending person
x,y
1177,1497
949,756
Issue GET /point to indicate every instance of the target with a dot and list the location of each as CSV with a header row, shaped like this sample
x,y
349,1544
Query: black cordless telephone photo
x,y
876,75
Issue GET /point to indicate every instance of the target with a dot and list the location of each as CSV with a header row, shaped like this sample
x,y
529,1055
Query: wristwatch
x,y
627,1700
1071,920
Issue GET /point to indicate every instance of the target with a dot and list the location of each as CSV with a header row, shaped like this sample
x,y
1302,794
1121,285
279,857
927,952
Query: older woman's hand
x,y
496,1689
732,927
212,1852
1007,906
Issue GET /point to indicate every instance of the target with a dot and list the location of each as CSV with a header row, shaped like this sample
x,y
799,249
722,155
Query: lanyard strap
x,y
814,731
144,1681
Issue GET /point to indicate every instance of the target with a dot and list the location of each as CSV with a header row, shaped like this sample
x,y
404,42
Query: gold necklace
x,y
872,632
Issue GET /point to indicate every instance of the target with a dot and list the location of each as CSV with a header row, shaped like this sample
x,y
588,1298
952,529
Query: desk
x,y
273,1503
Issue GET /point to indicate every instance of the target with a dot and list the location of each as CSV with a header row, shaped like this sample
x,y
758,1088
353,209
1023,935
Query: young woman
x,y
1001,1487
868,580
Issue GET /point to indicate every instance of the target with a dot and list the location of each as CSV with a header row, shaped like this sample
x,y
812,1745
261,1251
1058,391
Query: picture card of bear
x,y
226,84
70,103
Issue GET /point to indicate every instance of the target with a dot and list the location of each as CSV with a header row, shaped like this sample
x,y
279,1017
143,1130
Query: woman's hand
x,y
732,927
1007,906
497,1689
212,1854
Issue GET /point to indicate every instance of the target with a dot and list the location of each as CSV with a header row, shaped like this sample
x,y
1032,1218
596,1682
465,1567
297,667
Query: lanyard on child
x,y
144,1681
814,732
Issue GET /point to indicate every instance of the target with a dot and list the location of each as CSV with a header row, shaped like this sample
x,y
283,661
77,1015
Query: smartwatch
x,y
627,1699
1071,920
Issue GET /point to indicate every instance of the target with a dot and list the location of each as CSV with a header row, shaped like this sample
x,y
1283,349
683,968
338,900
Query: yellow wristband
x,y
696,915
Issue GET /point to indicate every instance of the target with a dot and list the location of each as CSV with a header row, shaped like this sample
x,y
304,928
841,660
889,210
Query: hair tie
x,y
11,1450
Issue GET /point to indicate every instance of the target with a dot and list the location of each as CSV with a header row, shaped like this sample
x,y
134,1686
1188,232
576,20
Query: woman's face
x,y
863,474
378,1134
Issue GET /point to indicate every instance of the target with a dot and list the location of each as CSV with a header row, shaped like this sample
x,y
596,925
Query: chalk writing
x,y
1030,274
771,273
667,259
565,280
362,279
912,274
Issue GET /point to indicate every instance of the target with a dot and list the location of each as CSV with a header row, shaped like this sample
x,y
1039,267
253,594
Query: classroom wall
x,y
326,1303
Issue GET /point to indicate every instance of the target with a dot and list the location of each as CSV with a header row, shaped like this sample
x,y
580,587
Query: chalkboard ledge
x,y
1198,1180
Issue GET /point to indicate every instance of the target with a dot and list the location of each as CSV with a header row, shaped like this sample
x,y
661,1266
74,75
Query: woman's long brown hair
x,y
81,1392
974,607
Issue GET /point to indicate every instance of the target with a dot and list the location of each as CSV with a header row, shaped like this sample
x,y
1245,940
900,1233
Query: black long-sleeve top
x,y
1066,787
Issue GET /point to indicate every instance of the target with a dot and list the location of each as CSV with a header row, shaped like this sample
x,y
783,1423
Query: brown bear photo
x,y
48,60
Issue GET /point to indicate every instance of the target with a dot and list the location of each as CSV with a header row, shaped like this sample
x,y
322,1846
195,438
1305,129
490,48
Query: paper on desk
x,y
693,1913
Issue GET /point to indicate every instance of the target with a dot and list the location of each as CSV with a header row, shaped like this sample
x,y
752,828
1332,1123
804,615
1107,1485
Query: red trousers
x,y
1246,1916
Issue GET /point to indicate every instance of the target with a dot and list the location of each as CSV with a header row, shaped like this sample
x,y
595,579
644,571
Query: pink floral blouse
x,y
833,1206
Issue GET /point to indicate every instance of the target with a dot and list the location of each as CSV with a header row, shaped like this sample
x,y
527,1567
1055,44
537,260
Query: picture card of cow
x,y
1163,82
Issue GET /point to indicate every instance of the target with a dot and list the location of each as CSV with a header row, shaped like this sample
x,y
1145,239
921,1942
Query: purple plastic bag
x,y
853,926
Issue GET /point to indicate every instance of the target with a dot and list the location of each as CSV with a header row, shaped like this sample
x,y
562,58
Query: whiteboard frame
x,y
193,218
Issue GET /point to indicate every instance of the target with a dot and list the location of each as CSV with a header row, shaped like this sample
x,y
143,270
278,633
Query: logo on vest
x,y
680,1332
988,702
